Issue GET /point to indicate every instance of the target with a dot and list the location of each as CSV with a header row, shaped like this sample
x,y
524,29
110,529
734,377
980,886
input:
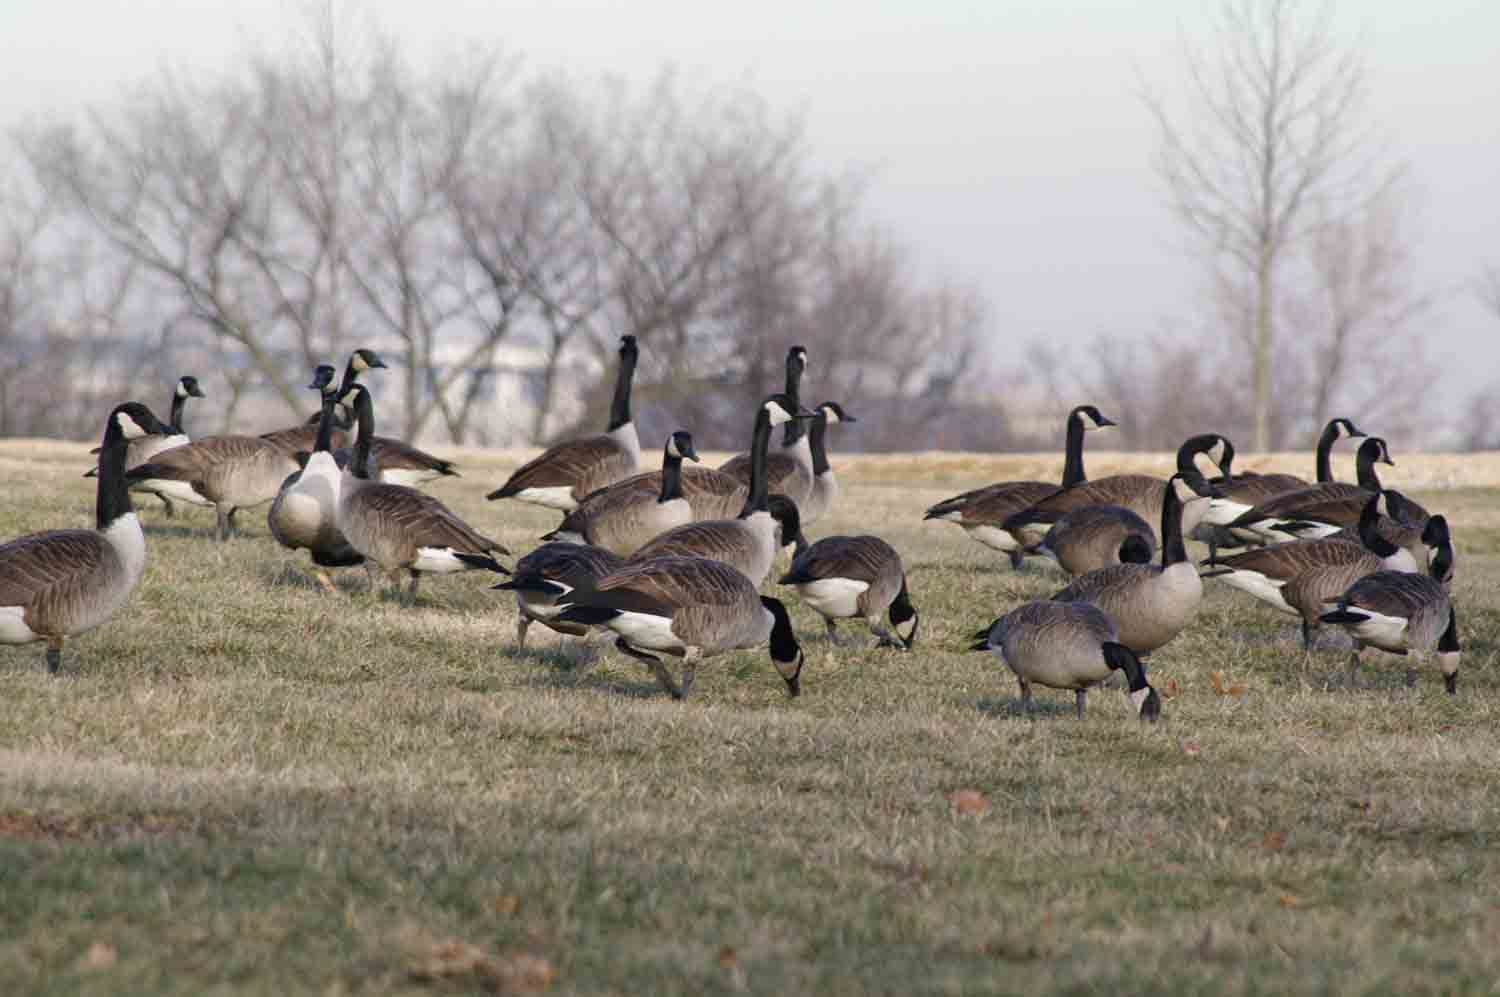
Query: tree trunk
x,y
1261,371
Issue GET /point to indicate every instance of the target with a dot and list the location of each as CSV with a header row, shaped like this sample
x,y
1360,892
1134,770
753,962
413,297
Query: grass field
x,y
244,785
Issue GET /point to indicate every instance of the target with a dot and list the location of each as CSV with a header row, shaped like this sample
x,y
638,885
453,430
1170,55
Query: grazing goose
x,y
398,528
1149,604
563,474
304,513
1097,536
1140,493
302,437
1322,509
1439,544
623,516
847,578
1300,576
688,607
1066,645
545,577
981,511
140,451
62,582
1401,613
749,542
790,468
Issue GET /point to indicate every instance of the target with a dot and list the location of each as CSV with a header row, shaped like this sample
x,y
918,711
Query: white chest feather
x,y
835,598
129,543
630,440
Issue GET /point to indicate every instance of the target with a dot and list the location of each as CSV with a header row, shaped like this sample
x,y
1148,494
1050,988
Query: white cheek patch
x,y
777,413
1216,453
129,427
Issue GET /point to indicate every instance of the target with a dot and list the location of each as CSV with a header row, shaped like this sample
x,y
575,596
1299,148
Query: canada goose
x,y
1150,604
1440,563
688,607
563,474
228,472
302,437
748,542
141,450
790,470
546,575
623,516
1140,493
1322,509
856,578
398,528
62,582
1097,536
1300,576
825,487
1401,613
1066,645
981,511
304,513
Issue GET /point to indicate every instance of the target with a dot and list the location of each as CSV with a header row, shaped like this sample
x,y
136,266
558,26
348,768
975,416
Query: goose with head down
x,y
862,577
543,579
689,608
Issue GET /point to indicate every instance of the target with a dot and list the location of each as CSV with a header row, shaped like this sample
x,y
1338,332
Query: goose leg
x,y
1079,699
1308,632
223,525
523,623
1354,666
1017,558
833,631
658,669
372,576
411,592
1025,696
886,638
54,654
166,503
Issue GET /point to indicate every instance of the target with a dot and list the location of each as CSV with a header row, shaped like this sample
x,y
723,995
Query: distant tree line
x,y
332,195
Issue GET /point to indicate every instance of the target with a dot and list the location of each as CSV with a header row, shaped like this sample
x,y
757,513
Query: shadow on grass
x,y
1011,709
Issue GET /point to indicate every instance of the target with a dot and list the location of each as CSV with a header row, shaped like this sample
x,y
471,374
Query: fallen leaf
x,y
1224,687
506,904
968,801
728,958
1274,841
1170,689
101,955
1216,679
1222,823
1190,747
1289,900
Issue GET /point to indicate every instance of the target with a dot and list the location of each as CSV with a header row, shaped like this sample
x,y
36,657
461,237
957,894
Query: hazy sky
x,y
1007,142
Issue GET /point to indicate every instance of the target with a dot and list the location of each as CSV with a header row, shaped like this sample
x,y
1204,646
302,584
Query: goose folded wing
x,y
33,565
424,520
394,453
561,465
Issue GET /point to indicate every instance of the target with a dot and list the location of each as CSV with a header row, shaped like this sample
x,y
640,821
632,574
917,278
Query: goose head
x,y
1435,533
780,408
1342,428
363,359
1448,650
982,639
788,521
904,619
131,421
1374,450
796,361
680,445
1142,696
833,412
187,387
786,653
1135,550
628,347
323,376
1217,448
1090,417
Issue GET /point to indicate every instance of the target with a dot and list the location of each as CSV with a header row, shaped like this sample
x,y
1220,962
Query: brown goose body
x,y
1401,613
228,472
545,576
785,474
1091,537
858,577
1322,509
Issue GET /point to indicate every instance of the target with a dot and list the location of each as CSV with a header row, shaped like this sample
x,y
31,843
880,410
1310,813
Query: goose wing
x,y
992,503
1334,499
387,452
1252,489
422,519
1140,493
35,565
563,465
861,559
1087,588
1286,561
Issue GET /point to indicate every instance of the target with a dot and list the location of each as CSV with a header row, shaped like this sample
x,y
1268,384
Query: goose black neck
x,y
671,476
783,642
1073,464
619,407
324,442
1364,467
179,402
760,446
364,413
1325,448
112,497
1448,643
1173,550
817,440
1369,532
794,429
1441,562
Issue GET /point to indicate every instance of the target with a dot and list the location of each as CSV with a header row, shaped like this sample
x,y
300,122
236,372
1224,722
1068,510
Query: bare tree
x,y
1272,144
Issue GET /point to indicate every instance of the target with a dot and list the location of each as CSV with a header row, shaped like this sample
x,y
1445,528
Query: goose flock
x,y
668,563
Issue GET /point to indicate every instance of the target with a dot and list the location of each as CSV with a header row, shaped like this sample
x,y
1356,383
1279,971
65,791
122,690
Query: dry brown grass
x,y
244,785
